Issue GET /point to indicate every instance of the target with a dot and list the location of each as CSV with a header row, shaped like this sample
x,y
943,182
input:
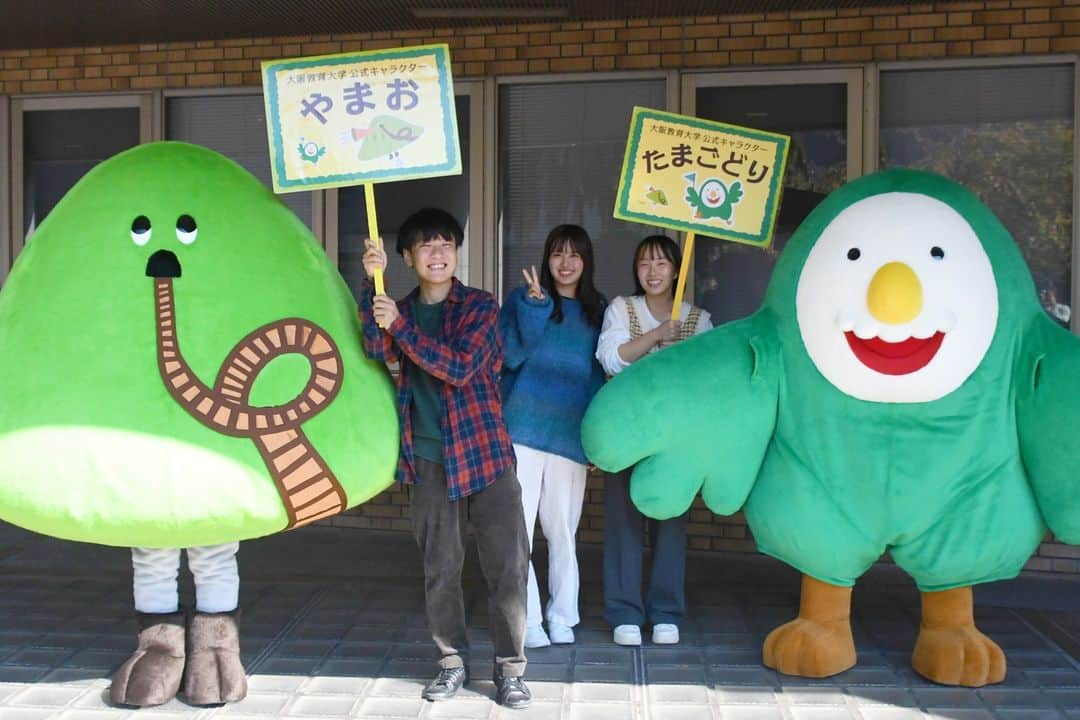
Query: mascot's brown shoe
x,y
151,676
819,642
950,649
214,673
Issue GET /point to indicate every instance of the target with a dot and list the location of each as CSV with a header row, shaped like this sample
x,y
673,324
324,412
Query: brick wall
x,y
905,31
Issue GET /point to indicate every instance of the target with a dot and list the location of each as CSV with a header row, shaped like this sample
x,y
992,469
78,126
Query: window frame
x,y
850,75
493,266
143,102
873,137
472,249
318,198
6,253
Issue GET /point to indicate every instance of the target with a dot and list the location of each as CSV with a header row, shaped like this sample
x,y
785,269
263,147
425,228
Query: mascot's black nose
x,y
163,264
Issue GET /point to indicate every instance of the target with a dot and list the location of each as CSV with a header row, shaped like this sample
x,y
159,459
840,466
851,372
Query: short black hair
x,y
423,225
657,244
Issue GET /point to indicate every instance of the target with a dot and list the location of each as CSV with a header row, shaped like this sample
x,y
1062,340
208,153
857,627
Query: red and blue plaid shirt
x,y
467,358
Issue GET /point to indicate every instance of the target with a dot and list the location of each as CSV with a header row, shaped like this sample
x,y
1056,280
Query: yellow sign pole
x,y
680,285
373,233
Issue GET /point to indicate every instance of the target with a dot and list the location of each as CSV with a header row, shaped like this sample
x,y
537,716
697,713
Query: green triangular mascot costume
x,y
900,389
182,369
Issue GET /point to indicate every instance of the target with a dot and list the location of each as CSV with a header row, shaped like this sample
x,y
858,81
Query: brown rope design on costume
x,y
307,486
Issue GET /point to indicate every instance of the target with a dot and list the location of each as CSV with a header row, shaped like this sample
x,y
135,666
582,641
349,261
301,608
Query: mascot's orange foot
x,y
818,643
958,656
810,648
950,649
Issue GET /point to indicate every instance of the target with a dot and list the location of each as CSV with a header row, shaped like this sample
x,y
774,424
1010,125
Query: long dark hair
x,y
666,247
592,302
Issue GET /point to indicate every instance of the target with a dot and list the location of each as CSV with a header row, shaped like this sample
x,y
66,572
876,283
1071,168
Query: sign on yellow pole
x,y
701,177
361,118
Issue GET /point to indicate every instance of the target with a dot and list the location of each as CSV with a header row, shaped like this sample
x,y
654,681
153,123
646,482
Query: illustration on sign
x,y
355,118
727,177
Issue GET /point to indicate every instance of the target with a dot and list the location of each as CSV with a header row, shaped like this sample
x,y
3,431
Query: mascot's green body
x,y
92,445
900,389
182,369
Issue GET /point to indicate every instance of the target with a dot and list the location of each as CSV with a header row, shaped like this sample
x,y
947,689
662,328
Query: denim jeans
x,y
665,601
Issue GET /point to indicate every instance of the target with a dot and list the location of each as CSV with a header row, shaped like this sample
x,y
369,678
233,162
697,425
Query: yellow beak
x,y
895,294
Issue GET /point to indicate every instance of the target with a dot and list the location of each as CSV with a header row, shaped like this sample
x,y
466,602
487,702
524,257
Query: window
x,y
815,108
235,126
1007,134
56,140
395,201
561,151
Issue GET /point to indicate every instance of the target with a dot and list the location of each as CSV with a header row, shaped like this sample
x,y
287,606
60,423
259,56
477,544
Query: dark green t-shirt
x,y
426,410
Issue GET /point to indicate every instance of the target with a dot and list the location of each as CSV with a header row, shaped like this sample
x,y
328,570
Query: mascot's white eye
x,y
186,230
140,230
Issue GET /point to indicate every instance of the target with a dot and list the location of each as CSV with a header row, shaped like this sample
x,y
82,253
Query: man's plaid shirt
x,y
467,358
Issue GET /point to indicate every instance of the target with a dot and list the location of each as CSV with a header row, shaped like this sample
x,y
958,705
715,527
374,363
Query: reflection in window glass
x,y
235,126
60,146
730,279
1005,133
561,151
395,201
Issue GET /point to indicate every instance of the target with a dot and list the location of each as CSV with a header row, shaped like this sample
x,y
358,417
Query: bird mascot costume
x,y
899,390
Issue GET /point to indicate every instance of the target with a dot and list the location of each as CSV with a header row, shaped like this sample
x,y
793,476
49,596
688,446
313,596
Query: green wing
x,y
696,416
735,193
1048,412
693,198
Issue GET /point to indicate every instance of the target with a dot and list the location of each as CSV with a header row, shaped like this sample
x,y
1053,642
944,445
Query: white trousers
x,y
553,488
217,580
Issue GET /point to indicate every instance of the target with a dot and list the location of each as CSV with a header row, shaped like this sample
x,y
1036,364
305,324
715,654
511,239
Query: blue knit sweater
x,y
550,373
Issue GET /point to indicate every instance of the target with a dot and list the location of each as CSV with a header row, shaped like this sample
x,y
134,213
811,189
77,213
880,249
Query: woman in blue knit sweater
x,y
550,327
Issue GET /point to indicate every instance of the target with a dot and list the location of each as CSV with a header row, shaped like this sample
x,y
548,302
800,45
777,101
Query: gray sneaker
x,y
511,692
446,684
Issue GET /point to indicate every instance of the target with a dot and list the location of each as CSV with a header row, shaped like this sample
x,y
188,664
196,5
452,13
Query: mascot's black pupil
x,y
140,224
853,254
937,253
184,223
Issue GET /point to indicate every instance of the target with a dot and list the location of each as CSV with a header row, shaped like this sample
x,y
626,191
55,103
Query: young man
x,y
455,451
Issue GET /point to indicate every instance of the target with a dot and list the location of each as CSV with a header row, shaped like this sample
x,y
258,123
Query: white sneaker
x,y
627,635
665,634
535,637
561,634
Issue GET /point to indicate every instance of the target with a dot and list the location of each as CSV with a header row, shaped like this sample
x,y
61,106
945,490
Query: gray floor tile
x,y
386,707
265,704
694,694
586,711
588,692
461,709
322,706
45,695
536,711
680,712
750,712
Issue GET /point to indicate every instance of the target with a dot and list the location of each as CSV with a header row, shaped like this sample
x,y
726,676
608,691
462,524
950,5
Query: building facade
x,y
984,92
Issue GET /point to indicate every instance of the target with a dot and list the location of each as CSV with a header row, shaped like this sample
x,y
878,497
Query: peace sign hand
x,y
533,281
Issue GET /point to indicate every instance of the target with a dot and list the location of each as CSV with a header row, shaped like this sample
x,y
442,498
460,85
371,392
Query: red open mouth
x,y
898,358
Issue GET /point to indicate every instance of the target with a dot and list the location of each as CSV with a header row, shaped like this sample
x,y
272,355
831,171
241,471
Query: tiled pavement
x,y
333,627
